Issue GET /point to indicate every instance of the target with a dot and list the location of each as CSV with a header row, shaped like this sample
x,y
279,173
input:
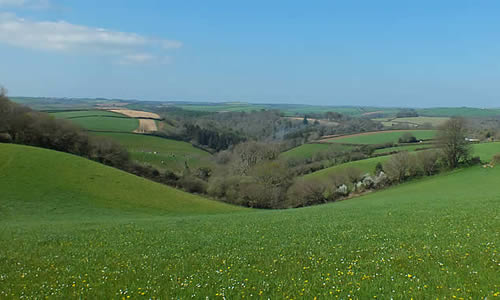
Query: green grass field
x,y
408,148
415,121
381,137
44,184
99,120
70,228
172,153
83,114
458,111
309,150
104,123
365,165
486,151
224,107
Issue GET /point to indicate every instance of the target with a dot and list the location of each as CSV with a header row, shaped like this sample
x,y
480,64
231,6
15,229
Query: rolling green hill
x,y
412,121
83,114
308,150
71,228
380,137
486,151
44,184
99,120
103,123
365,165
458,111
408,148
162,153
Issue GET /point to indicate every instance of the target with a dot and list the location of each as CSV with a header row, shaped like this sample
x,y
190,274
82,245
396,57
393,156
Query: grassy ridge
x,y
459,111
43,184
365,165
486,151
408,148
104,123
381,137
99,120
434,121
436,237
170,154
84,113
308,150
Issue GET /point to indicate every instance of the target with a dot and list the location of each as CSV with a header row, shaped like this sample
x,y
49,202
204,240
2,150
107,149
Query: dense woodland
x,y
221,131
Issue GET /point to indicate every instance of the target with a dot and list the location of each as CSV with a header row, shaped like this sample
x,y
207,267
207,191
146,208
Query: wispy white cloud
x,y
140,58
62,36
25,3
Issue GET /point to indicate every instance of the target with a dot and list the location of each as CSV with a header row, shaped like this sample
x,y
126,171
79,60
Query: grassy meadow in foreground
x,y
43,184
435,237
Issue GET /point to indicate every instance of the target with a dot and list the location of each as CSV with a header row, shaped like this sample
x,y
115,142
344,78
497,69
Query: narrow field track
x,y
146,125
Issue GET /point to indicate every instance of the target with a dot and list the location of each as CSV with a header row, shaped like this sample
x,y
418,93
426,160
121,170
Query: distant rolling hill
x,y
379,137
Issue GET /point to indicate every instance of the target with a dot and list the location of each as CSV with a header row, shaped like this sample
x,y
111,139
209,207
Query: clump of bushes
x,y
402,166
407,138
21,125
496,159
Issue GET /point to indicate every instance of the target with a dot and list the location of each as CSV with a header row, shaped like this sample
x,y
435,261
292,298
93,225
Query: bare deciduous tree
x,y
247,155
451,139
427,161
306,192
397,166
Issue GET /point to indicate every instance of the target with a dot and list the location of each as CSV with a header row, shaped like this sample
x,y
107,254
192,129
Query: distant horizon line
x,y
212,102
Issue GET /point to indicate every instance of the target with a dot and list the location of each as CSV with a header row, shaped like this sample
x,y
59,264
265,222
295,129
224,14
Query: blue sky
x,y
385,53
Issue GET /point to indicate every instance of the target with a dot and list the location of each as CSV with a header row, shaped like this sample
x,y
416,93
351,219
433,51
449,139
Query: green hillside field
x,y
366,165
381,137
485,151
413,121
99,120
71,228
308,150
408,148
170,154
83,114
104,123
43,184
458,111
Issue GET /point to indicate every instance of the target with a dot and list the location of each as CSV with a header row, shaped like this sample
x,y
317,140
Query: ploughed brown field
x,y
146,125
136,113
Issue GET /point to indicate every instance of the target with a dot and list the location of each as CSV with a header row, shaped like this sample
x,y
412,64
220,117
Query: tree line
x,y
21,125
252,173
